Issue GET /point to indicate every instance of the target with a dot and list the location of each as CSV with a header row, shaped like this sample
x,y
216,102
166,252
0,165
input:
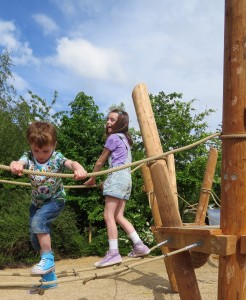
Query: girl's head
x,y
42,137
118,122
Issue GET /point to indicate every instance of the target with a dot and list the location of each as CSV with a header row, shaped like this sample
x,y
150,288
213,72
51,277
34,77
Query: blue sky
x,y
106,47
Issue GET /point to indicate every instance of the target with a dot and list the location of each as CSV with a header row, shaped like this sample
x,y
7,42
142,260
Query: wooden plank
x,y
212,241
202,230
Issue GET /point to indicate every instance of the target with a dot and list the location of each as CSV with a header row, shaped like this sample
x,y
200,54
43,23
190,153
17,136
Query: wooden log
x,y
206,187
170,217
232,275
149,189
172,177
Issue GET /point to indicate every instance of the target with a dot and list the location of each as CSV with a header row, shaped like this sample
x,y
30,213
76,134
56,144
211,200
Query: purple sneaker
x,y
139,249
111,258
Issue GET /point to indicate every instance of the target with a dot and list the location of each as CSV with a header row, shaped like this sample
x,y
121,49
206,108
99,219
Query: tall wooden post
x,y
170,217
232,269
149,189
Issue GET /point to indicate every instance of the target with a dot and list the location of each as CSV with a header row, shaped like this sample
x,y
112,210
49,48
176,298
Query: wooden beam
x,y
206,187
211,238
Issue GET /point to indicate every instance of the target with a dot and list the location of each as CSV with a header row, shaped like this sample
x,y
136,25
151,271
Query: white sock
x,y
134,237
113,244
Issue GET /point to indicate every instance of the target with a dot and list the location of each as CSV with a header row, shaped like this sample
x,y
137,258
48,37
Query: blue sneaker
x,y
49,277
46,264
45,278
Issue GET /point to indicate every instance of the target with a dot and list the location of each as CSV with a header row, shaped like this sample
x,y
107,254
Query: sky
x,y
104,48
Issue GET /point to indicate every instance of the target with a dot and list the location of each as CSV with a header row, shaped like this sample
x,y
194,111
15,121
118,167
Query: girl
x,y
117,187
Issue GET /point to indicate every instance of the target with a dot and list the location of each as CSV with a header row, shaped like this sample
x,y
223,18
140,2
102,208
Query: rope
x,y
77,277
233,136
65,186
122,268
143,161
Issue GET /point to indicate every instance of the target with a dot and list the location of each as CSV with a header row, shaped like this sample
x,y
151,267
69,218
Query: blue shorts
x,y
118,184
42,217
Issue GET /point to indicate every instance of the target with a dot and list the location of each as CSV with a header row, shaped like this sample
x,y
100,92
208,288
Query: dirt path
x,y
143,282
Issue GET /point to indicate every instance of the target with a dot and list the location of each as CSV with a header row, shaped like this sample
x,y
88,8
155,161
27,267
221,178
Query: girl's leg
x,y
139,248
111,204
112,257
120,219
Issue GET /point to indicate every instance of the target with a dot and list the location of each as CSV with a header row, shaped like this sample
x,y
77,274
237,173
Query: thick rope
x,y
142,161
77,277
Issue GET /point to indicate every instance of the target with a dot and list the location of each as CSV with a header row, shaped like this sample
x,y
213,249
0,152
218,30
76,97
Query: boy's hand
x,y
16,168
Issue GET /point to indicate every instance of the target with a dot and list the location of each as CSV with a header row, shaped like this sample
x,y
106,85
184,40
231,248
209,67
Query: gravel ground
x,y
145,281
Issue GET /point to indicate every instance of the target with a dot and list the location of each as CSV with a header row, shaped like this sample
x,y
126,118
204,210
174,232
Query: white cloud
x,y
89,61
47,24
22,53
7,30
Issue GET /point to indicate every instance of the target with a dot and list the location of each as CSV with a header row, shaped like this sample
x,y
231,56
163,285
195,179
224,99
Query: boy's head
x,y
41,134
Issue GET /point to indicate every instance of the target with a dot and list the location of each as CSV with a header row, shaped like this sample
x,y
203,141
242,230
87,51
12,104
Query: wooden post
x,y
149,189
170,217
232,275
206,187
172,177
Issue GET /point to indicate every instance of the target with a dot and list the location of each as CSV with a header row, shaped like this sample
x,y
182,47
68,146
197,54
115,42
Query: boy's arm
x,y
17,167
78,170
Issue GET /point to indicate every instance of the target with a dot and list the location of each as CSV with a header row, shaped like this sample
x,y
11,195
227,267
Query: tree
x,y
120,106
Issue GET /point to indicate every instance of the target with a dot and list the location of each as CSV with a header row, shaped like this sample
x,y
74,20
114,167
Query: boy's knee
x,y
38,226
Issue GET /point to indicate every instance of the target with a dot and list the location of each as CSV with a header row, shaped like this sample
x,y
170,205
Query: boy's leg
x,y
40,223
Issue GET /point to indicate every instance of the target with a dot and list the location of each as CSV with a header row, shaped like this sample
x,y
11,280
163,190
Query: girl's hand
x,y
79,173
16,168
91,181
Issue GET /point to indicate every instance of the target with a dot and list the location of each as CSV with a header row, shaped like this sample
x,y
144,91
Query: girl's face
x,y
112,118
42,154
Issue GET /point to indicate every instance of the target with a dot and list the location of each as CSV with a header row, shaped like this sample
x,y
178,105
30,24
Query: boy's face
x,y
42,154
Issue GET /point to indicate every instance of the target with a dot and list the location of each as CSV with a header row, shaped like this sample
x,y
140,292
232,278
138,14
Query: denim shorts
x,y
42,217
118,184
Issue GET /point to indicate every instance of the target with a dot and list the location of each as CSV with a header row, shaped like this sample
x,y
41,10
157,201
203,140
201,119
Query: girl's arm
x,y
98,165
78,170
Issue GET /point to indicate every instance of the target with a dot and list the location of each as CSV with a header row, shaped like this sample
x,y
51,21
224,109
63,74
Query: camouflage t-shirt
x,y
44,188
